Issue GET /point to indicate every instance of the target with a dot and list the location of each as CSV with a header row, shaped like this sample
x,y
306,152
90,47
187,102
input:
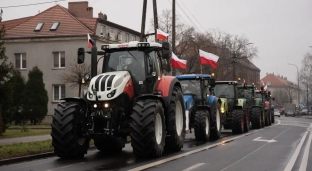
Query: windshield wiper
x,y
132,56
193,83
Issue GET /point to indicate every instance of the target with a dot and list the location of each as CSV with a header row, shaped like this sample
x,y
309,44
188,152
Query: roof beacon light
x,y
105,47
212,74
143,45
238,79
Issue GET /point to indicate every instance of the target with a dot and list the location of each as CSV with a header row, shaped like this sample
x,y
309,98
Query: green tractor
x,y
234,107
258,116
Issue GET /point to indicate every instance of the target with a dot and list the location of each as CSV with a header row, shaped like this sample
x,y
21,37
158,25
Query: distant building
x,y
282,89
51,38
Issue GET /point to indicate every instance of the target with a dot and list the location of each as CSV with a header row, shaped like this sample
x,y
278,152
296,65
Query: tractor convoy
x,y
132,99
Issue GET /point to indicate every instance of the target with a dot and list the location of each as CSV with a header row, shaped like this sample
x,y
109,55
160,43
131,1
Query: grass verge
x,y
25,149
18,133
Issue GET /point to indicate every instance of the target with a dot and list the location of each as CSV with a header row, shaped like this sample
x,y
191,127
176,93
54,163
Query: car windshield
x,y
191,87
224,91
132,61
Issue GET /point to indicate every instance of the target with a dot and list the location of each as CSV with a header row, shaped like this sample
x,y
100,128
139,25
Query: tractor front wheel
x,y
67,136
238,121
202,125
216,120
148,128
255,118
176,121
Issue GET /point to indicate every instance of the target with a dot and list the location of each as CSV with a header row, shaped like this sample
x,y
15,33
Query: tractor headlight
x,y
106,105
222,110
111,94
95,105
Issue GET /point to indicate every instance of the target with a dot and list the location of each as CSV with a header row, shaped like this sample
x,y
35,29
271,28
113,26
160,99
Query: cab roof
x,y
132,44
226,82
193,76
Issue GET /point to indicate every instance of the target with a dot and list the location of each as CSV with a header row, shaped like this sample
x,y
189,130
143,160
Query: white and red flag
x,y
89,41
244,82
161,35
208,58
178,63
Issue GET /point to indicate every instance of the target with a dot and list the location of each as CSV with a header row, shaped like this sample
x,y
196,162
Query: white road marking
x,y
253,151
191,152
67,166
294,157
304,162
193,167
259,139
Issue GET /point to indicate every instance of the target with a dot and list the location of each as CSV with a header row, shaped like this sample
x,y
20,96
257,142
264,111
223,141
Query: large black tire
x,y
146,116
255,118
67,137
237,121
216,121
202,125
176,121
111,145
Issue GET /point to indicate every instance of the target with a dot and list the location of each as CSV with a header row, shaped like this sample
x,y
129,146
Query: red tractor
x,y
130,97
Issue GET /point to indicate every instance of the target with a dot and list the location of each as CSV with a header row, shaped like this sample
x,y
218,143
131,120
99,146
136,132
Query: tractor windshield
x,y
224,91
258,95
132,61
191,87
244,93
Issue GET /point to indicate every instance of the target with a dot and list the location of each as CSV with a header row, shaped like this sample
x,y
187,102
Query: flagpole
x,y
201,69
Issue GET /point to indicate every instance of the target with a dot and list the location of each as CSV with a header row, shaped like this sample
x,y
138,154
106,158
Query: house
x,y
50,40
282,89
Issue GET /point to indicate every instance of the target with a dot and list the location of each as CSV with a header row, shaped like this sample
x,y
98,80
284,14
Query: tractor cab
x,y
247,92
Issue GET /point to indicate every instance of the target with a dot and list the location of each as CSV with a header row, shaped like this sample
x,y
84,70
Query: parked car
x,y
304,112
277,113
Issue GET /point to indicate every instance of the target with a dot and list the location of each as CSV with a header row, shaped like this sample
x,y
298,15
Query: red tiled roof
x,y
69,25
89,22
276,80
12,23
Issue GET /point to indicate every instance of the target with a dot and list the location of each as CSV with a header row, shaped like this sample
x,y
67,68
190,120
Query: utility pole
x,y
143,21
173,32
155,18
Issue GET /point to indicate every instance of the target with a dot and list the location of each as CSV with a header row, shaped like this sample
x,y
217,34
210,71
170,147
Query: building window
x,y
112,33
58,92
127,38
133,38
39,26
119,36
103,30
268,83
54,26
20,60
59,59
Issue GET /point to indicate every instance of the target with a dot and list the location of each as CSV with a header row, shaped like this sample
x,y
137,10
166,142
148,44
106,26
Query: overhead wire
x,y
39,3
187,15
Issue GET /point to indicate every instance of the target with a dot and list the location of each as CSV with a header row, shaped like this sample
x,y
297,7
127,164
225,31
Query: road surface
x,y
284,146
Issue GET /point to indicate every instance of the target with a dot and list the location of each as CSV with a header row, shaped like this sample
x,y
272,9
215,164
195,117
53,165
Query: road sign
x,y
263,140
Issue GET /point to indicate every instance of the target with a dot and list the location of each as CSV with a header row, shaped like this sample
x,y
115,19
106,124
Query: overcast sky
x,y
280,29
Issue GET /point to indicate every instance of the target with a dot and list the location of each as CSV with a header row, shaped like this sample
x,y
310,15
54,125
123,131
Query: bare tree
x,y
306,76
281,97
76,75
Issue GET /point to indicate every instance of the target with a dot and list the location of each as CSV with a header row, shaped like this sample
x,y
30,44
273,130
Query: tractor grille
x,y
100,82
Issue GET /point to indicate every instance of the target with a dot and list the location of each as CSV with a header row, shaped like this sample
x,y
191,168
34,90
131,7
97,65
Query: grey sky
x,y
281,29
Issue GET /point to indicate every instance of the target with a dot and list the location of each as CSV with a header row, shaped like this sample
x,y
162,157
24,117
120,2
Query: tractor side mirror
x,y
165,50
212,82
81,55
206,83
269,93
262,88
273,98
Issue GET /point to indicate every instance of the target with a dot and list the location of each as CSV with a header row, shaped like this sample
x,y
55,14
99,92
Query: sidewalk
x,y
25,139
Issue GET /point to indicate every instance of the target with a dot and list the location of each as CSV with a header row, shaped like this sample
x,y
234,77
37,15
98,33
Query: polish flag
x,y
208,58
265,88
89,41
178,63
161,35
244,82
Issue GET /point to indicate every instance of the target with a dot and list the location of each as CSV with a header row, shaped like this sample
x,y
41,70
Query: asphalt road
x,y
284,146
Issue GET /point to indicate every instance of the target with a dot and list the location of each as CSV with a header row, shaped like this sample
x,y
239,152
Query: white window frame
x,y
103,30
133,38
21,60
119,35
268,83
59,59
112,33
127,38
60,91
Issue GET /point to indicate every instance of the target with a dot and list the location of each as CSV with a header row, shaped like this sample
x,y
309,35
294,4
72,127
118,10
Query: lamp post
x,y
298,82
235,58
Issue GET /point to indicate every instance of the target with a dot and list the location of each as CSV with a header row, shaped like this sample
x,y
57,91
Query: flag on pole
x,y
161,35
178,63
208,58
244,82
89,41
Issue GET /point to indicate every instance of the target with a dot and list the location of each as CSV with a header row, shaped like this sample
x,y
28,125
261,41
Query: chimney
x,y
273,73
285,78
267,74
102,16
80,9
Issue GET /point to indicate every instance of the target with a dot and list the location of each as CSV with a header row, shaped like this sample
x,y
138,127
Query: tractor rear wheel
x,y
176,121
202,125
111,145
67,135
148,128
238,121
272,117
216,120
255,118
247,121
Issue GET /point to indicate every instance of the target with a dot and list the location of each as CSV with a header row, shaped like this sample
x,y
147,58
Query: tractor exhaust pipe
x,y
93,59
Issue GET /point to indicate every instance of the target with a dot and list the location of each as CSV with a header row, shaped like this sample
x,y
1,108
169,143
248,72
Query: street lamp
x,y
298,82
